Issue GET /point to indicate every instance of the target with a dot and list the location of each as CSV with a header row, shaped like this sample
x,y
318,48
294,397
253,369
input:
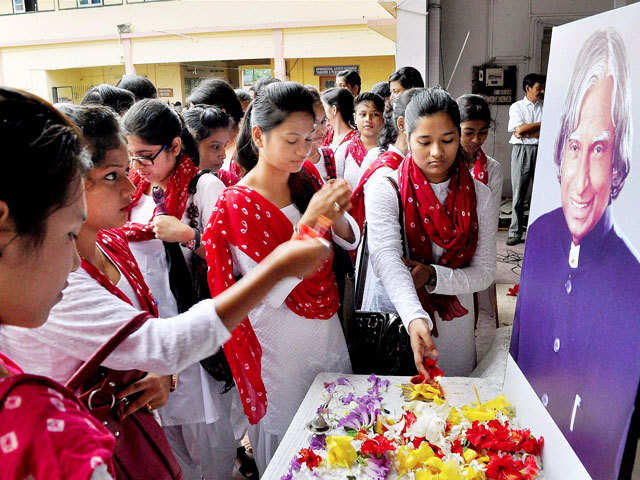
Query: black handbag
x,y
216,365
378,342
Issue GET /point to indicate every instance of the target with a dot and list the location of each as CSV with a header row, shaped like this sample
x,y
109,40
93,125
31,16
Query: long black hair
x,y
272,105
100,128
42,149
156,123
343,100
395,110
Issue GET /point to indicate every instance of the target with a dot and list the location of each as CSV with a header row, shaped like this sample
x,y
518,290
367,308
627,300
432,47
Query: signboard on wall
x,y
498,84
576,330
332,70
165,92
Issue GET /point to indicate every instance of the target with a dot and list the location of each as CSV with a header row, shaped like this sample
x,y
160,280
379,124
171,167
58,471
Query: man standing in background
x,y
524,122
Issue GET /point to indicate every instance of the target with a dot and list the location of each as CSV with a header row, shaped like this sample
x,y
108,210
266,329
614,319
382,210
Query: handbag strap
x,y
364,252
89,368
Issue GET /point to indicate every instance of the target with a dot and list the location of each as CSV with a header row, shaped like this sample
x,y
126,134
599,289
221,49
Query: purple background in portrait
x,y
577,331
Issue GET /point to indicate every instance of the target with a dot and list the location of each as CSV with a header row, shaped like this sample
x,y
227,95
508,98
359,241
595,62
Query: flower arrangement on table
x,y
421,438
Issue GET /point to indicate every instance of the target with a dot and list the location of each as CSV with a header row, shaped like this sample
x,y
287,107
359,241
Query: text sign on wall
x,y
165,92
324,70
496,83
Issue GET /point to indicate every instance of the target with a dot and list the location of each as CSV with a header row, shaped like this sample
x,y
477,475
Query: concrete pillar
x,y
413,37
433,45
279,64
129,67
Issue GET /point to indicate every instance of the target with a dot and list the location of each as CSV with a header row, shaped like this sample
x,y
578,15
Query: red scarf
x,y
329,161
452,226
176,196
114,244
356,148
480,172
245,219
328,136
313,172
386,159
46,431
327,140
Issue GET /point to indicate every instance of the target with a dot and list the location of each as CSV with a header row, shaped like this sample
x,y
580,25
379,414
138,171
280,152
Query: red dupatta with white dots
x,y
114,244
452,226
480,172
244,219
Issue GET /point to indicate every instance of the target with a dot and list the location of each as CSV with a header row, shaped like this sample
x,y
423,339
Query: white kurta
x,y
373,154
294,350
198,401
389,286
88,315
346,166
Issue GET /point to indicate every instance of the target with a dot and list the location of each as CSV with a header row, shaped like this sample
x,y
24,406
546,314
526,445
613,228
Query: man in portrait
x,y
576,333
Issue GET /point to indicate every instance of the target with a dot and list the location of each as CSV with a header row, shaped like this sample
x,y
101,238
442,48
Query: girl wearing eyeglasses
x,y
196,417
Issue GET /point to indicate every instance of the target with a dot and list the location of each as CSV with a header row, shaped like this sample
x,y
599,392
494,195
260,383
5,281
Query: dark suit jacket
x,y
577,333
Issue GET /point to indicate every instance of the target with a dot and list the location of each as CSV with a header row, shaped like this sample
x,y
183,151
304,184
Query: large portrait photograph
x,y
576,332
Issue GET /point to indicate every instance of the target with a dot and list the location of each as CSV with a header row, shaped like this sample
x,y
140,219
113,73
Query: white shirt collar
x,y
574,255
393,148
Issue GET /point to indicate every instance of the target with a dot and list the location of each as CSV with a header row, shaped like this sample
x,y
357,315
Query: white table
x,y
458,390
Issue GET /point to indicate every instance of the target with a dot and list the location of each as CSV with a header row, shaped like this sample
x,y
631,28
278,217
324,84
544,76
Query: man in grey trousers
x,y
524,121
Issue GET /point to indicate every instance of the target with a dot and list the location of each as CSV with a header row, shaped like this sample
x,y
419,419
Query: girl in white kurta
x,y
297,324
475,120
108,291
349,156
197,417
442,205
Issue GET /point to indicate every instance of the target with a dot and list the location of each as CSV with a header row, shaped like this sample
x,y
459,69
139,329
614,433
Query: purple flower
x,y
343,381
377,468
330,387
295,465
347,399
377,384
317,442
287,476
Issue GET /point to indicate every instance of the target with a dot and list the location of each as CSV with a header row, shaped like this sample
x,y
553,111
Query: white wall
x,y
510,32
411,49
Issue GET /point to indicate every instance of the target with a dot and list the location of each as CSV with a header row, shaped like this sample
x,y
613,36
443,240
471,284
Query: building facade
x,y
58,49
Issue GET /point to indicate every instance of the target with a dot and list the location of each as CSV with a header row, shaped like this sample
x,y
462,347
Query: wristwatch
x,y
195,243
174,382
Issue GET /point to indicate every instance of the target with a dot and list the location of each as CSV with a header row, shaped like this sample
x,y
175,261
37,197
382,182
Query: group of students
x,y
205,222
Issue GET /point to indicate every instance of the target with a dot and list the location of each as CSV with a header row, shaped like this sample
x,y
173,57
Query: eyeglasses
x,y
144,161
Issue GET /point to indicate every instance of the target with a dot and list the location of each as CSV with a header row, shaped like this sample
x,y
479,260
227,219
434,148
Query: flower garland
x,y
426,439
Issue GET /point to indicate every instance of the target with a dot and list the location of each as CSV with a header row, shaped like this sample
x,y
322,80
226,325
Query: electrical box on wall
x,y
495,82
